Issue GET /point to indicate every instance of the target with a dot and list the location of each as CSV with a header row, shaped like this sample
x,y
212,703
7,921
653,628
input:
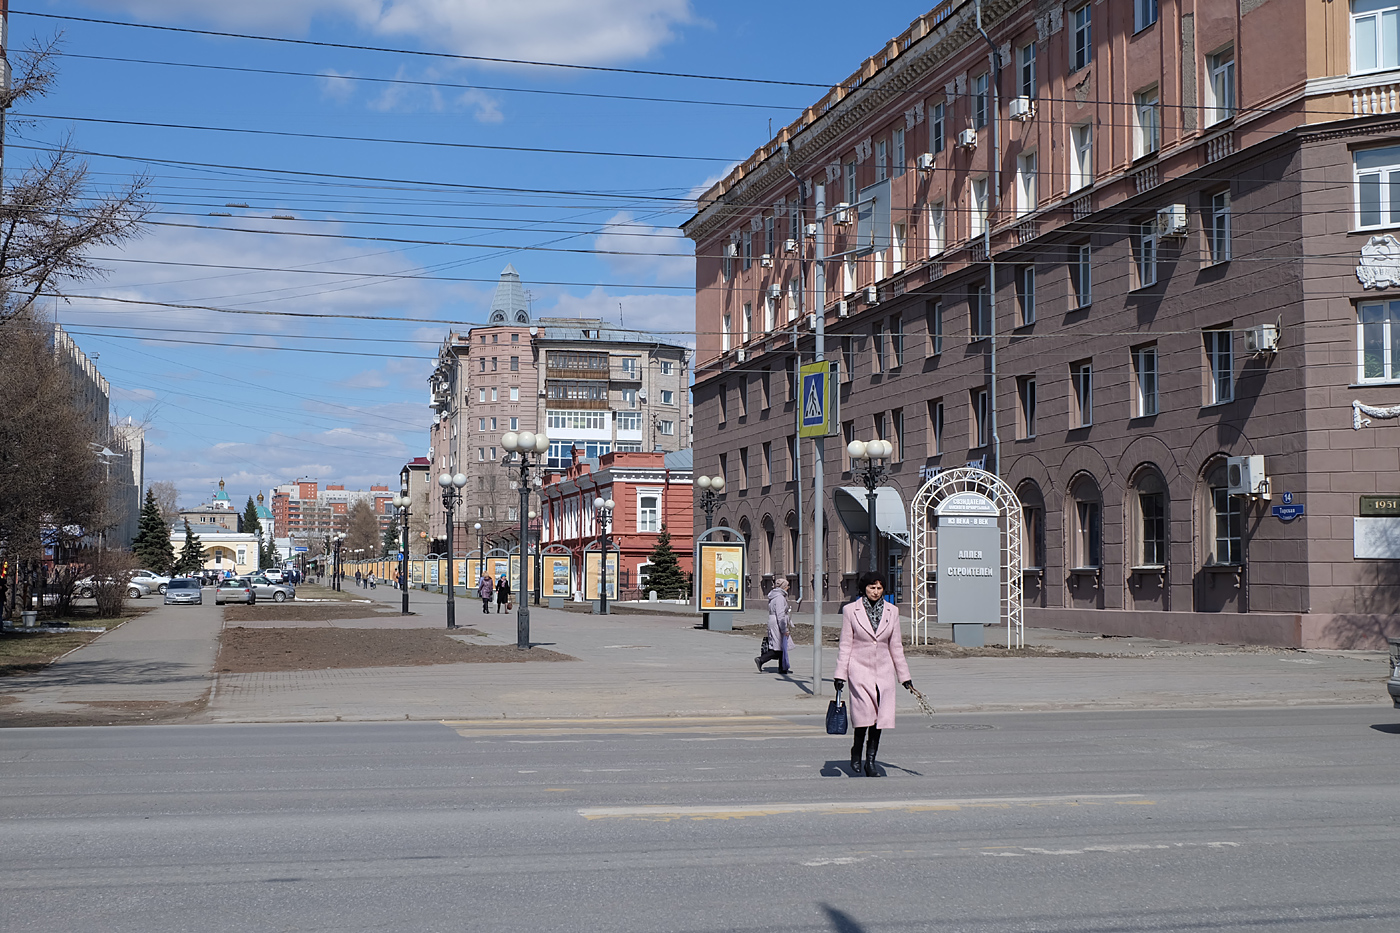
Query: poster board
x,y
433,572
720,571
592,565
415,571
558,575
515,573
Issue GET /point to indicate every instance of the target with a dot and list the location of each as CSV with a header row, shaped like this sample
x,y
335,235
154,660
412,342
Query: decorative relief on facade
x,y
1379,266
960,84
950,92
914,116
1081,90
1360,408
833,172
1049,20
863,150
756,222
1004,50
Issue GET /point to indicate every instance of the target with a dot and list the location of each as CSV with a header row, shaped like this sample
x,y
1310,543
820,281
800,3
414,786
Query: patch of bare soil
x,y
302,612
103,713
939,648
248,650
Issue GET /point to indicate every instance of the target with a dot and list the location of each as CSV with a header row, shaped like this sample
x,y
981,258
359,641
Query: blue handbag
x,y
836,720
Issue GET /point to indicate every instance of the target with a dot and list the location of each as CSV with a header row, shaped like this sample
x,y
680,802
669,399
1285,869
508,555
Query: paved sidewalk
x,y
661,665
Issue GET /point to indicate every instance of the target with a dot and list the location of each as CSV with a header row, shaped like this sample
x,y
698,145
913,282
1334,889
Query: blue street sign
x,y
1286,513
1288,498
400,557
300,548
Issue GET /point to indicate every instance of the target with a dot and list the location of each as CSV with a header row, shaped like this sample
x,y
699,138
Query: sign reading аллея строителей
x,y
969,560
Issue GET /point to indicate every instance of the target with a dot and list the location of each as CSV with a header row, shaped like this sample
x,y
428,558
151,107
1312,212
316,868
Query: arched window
x,y
1147,511
1032,525
769,542
1224,525
1086,524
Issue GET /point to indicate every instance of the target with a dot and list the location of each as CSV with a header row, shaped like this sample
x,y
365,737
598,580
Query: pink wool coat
x,y
872,664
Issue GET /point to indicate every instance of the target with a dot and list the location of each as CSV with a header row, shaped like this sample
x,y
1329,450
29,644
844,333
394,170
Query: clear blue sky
x,y
261,399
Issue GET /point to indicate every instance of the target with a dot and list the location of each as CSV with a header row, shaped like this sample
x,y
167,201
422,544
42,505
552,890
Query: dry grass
x,y
25,651
248,650
303,612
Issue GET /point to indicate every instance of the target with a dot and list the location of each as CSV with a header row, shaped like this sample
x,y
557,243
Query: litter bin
x,y
1393,685
30,617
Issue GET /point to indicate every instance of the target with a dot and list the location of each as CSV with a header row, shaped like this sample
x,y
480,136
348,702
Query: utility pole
x,y
819,443
993,207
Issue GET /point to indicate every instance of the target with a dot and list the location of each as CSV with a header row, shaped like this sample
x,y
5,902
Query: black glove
x,y
908,685
840,684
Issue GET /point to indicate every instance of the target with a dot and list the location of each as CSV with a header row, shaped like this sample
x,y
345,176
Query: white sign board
x,y
1376,538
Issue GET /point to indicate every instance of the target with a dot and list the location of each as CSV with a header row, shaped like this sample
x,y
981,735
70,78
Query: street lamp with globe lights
x,y
401,501
480,551
710,489
336,571
604,509
522,445
873,455
451,495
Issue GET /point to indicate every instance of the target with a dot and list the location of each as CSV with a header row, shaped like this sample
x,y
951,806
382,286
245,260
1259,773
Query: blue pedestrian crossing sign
x,y
818,416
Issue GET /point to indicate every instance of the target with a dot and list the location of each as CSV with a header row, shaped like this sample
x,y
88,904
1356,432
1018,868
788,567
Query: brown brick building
x,y
1177,196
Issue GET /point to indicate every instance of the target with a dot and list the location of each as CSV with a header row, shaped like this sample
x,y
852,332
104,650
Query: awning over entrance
x,y
890,514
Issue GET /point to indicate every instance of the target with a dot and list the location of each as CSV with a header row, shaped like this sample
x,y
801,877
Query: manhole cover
x,y
962,726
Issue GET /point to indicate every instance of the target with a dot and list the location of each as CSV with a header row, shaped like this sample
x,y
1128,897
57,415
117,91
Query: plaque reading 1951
x,y
1388,506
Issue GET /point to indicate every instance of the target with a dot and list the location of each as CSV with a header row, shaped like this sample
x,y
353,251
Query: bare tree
x,y
167,500
362,531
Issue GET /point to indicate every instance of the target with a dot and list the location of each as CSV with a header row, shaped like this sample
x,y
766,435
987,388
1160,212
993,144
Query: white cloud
x,y
644,253
336,85
577,31
670,317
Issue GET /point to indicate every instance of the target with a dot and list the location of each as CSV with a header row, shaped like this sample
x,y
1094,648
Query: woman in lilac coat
x,y
871,659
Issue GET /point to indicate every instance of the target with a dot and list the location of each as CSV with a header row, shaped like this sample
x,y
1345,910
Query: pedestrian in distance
x,y
502,593
359,580
373,582
776,645
871,660
485,589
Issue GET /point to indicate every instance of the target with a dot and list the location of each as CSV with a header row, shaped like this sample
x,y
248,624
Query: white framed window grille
x,y
481,395
1220,86
899,246
1220,359
937,230
515,424
666,427
979,206
1218,226
1081,166
648,512
1229,526
1025,62
1147,122
794,293
882,160
770,314
1145,253
515,393
1145,380
980,99
935,327
1081,275
935,128
1375,35
1025,183
1144,14
1378,342
768,235
668,368
747,334
900,156
848,274
629,421
575,420
850,183
1081,37
494,390
746,239
668,397
1377,181
1025,395
1082,383
1025,294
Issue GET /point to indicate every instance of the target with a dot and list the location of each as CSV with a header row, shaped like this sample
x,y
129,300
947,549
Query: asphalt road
x,y
1235,820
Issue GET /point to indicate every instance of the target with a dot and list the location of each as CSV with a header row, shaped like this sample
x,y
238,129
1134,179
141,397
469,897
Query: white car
x,y
153,580
134,589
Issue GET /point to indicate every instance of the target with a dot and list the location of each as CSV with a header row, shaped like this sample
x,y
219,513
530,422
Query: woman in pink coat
x,y
871,659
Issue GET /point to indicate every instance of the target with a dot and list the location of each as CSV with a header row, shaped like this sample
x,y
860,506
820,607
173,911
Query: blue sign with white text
x,y
1286,513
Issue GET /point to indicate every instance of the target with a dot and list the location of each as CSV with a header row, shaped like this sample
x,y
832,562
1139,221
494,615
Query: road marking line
x,y
845,860
738,812
1111,848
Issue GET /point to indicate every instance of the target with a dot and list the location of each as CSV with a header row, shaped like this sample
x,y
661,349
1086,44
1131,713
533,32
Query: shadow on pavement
x,y
841,921
77,673
1389,728
838,769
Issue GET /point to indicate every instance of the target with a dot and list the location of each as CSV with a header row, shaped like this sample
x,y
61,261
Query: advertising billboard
x,y
720,576
592,565
558,575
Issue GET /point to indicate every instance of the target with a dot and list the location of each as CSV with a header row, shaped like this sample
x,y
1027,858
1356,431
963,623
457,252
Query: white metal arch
x,y
924,600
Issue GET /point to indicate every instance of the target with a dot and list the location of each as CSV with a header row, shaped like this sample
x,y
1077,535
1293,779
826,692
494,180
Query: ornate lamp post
x,y
873,455
710,488
604,509
451,495
338,538
401,501
523,445
480,551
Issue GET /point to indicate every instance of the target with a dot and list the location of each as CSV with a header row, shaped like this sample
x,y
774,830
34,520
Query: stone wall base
x,y
1278,630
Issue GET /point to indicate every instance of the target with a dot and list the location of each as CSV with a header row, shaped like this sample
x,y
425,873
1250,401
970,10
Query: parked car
x,y
152,579
183,590
266,589
234,590
135,589
274,575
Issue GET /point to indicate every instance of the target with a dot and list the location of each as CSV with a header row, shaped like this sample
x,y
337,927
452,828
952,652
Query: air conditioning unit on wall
x,y
968,139
1261,339
1171,220
1244,476
1022,108
924,161
843,308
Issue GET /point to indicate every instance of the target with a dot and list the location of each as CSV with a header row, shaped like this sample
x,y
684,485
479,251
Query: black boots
x,y
856,767
872,746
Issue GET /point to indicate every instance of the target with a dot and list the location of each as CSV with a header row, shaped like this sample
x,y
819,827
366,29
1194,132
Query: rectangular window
x,y
848,434
629,366
1229,526
848,353
747,323
979,206
1081,377
882,160
666,427
1025,394
897,138
897,434
481,454
768,244
1378,342
578,419
743,396
935,327
1218,227
743,468
795,221
649,514
747,240
896,342
1025,60
1025,294
767,463
1080,275
629,398
1220,86
899,245
937,232
848,274
790,364
1025,183
1152,514
481,395
515,364
1144,14
1147,123
1081,38
723,404
668,368
1220,358
979,101
935,129
629,421
770,314
727,332
1088,549
850,183
724,467
877,348
727,267
668,397
1145,254
482,361
1145,380
979,312
981,418
1081,166
794,452
1375,35
765,389
481,425
515,424
515,393
1377,174
935,428
1032,537
493,393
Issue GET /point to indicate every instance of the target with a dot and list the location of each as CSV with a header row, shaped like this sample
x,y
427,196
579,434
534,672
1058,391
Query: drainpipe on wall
x,y
994,58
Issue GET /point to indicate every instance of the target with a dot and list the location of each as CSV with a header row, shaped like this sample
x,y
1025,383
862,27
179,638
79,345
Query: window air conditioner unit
x,y
872,295
1171,220
1244,476
1022,109
842,215
924,161
790,246
1261,339
968,139
765,261
811,229
740,355
843,308
812,322
775,292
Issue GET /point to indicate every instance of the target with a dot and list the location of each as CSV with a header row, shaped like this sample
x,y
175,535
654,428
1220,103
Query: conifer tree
x,y
666,576
191,554
251,522
152,545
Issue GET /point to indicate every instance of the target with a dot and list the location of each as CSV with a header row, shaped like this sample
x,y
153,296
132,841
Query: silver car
x,y
234,590
183,590
135,589
266,589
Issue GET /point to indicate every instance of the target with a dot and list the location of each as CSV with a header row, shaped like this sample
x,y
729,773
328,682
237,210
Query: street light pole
x,y
451,495
335,564
522,445
604,509
710,488
872,454
402,500
480,551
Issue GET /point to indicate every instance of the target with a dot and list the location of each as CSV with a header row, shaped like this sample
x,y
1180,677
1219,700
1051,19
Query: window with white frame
x,y
1145,254
793,294
1220,359
1378,342
629,421
848,274
1081,276
935,327
899,156
981,417
1144,14
850,183
1220,86
666,427
899,245
770,314
1025,62
979,101
576,420
979,205
481,395
747,241
648,513
1218,226
668,397
769,241
1081,163
748,322
1081,377
1375,35
1025,183
1025,395
1025,294
493,394
515,393
1088,533
1081,37
934,442
896,341
481,425
629,398
1228,521
1147,122
937,231
1145,380
979,312
668,367
515,424
1377,180
882,160
935,129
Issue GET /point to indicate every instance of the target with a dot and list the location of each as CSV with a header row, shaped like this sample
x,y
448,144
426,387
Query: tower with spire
x,y
508,304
